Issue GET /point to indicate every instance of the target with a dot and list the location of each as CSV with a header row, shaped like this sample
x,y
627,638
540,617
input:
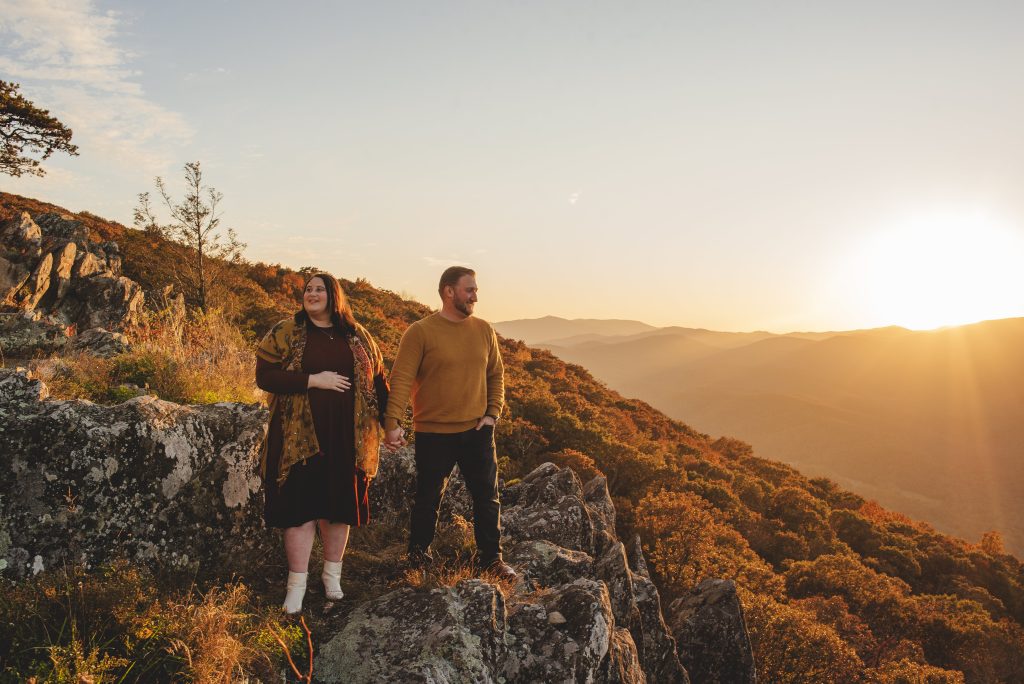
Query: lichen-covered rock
x,y
23,336
547,523
548,504
711,634
543,564
147,479
63,227
88,264
439,635
471,633
100,342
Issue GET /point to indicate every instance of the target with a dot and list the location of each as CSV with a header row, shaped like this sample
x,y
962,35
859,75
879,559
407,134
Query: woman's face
x,y
314,300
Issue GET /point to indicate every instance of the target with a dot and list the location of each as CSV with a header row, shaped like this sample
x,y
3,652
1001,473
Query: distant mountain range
x,y
928,423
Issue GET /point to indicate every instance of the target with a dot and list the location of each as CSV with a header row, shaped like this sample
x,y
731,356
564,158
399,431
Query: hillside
x,y
835,588
927,423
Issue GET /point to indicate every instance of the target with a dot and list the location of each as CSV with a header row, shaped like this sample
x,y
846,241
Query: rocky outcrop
x,y
471,633
176,486
161,483
61,282
578,613
712,635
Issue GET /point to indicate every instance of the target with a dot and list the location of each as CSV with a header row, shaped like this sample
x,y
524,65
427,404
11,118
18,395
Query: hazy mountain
x,y
929,423
533,330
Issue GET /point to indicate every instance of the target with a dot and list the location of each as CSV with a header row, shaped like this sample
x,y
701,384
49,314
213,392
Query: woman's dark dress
x,y
327,485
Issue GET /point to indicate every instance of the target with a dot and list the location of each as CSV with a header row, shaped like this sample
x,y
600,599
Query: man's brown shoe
x,y
503,570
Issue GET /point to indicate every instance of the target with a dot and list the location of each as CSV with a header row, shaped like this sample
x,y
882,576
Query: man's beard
x,y
465,308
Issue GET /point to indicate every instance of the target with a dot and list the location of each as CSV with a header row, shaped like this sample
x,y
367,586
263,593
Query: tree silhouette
x,y
26,129
195,223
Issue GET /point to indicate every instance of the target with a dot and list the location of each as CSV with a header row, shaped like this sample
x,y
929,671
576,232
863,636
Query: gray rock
x,y
100,342
154,481
88,265
63,227
22,236
711,634
13,277
102,302
613,569
657,647
63,261
548,504
543,564
544,513
22,336
587,647
471,633
600,503
394,486
37,285
438,635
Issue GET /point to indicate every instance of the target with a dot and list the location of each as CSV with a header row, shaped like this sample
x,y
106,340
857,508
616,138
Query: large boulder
x,y
102,301
23,335
158,482
548,504
472,633
711,634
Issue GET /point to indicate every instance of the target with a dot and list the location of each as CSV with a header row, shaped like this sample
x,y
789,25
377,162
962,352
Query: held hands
x,y
328,380
394,439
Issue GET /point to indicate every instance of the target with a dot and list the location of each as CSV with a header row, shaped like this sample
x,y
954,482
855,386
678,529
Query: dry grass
x,y
190,359
117,624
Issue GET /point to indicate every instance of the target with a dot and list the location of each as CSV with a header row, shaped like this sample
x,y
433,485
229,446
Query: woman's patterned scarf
x,y
300,440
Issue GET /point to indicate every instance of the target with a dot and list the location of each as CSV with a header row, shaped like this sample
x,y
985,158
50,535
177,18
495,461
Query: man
x,y
450,365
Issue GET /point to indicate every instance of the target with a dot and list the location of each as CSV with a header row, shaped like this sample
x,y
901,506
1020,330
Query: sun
x,y
938,269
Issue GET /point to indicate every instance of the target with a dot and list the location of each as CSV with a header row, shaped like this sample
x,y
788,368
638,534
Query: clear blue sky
x,y
736,166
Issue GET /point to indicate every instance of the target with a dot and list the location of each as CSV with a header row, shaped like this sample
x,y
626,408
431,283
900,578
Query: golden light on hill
x,y
939,269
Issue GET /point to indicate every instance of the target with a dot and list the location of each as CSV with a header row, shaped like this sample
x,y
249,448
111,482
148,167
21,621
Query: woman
x,y
328,392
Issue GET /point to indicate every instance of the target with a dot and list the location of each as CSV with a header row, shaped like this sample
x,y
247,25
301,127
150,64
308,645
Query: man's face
x,y
464,295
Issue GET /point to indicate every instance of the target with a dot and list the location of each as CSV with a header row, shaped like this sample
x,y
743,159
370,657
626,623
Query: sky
x,y
736,166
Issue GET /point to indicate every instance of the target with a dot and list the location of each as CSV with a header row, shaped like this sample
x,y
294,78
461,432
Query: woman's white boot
x,y
296,590
332,580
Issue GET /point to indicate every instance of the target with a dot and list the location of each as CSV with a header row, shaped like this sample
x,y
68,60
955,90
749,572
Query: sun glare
x,y
941,269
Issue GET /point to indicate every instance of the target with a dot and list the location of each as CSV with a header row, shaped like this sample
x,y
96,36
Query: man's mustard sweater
x,y
451,370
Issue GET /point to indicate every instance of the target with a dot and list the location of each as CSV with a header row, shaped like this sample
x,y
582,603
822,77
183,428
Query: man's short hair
x,y
451,277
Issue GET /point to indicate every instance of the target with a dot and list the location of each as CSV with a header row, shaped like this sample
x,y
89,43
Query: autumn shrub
x,y
193,358
791,645
119,624
686,545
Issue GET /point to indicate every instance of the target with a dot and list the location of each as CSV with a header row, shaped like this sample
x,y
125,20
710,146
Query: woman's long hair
x,y
337,304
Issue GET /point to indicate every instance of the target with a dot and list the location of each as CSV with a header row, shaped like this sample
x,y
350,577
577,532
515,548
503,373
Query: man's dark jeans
x,y
436,455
